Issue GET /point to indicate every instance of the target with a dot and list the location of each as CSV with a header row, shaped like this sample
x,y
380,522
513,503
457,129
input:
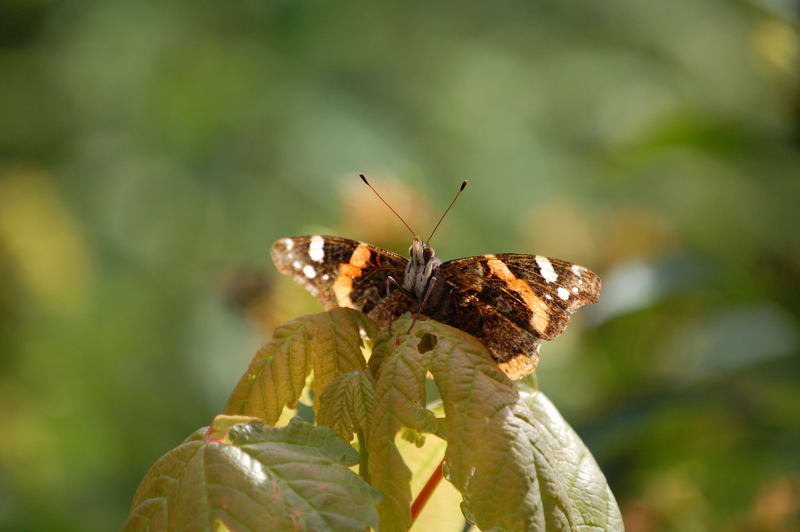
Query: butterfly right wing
x,y
538,293
339,272
511,302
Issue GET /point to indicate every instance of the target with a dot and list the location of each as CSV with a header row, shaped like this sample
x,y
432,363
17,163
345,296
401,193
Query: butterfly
x,y
510,302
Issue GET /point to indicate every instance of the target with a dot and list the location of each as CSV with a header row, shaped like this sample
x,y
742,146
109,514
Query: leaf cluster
x,y
516,462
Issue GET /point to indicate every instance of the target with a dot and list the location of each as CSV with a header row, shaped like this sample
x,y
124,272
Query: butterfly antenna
x,y
460,190
364,179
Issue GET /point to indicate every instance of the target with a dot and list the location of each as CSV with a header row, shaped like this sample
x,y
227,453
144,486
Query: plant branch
x,y
426,492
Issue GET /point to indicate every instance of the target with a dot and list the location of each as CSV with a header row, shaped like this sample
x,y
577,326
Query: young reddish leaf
x,y
328,343
221,426
290,478
347,403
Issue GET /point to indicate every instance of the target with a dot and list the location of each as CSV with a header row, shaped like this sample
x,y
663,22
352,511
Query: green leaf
x,y
297,432
572,466
328,343
347,403
399,402
517,464
290,478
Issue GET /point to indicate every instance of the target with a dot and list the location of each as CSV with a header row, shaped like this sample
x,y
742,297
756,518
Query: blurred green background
x,y
150,153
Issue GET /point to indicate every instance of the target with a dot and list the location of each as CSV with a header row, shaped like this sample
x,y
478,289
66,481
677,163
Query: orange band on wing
x,y
343,286
520,365
539,318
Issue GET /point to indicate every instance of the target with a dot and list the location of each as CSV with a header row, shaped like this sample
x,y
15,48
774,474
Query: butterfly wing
x,y
509,301
513,301
339,272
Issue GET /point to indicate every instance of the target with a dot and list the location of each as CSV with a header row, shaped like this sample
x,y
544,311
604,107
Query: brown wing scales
x,y
545,290
511,302
339,272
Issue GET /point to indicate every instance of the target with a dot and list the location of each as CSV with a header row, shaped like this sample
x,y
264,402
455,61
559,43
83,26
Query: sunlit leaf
x,y
569,462
399,402
328,343
290,478
518,467
347,403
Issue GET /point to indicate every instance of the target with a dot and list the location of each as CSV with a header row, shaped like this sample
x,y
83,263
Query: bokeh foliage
x,y
151,152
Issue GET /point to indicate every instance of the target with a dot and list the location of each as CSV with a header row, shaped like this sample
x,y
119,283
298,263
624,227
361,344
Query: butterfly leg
x,y
391,282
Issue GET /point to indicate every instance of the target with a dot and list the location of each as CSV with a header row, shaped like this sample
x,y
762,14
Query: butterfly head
x,y
420,268
423,264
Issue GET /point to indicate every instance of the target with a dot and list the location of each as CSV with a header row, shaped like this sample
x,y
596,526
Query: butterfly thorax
x,y
420,269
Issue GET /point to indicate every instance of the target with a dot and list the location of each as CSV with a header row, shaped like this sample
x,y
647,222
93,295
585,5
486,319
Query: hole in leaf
x,y
426,343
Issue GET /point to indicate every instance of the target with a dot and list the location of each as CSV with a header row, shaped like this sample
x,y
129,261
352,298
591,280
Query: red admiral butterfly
x,y
509,301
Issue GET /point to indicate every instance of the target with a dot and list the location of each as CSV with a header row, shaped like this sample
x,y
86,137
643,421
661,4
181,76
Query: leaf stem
x,y
363,456
427,491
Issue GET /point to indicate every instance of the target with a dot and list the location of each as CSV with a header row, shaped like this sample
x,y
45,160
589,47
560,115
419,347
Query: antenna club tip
x,y
463,185
363,178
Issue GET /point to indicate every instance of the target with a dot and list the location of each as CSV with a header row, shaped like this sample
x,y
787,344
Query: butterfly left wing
x,y
339,272
512,301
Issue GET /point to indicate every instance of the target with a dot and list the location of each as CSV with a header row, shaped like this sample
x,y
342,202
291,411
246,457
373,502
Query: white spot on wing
x,y
574,289
315,250
309,271
288,243
325,276
546,269
548,296
297,264
563,293
577,269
